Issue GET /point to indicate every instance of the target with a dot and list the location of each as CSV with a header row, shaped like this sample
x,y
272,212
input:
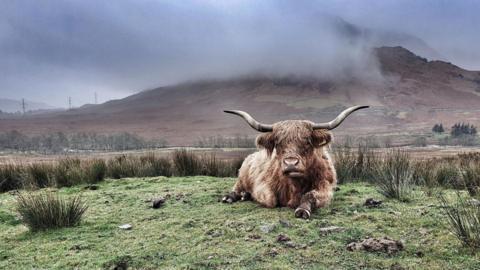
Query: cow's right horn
x,y
337,121
252,122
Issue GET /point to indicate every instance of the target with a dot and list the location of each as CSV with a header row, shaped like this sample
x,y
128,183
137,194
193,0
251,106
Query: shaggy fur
x,y
265,176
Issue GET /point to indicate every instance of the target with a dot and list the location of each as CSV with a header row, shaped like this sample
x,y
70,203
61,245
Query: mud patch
x,y
385,244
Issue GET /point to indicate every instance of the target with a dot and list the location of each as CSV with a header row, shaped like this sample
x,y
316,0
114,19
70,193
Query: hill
x,y
410,94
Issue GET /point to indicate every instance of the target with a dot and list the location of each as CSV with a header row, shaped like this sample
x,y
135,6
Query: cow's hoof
x,y
227,199
246,196
302,213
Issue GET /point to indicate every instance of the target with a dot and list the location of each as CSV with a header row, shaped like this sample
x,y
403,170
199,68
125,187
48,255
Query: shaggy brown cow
x,y
292,168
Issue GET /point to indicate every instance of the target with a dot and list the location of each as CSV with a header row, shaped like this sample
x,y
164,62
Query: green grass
x,y
195,231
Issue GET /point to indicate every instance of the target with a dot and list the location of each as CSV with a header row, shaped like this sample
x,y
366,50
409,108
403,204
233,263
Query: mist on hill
x,y
55,49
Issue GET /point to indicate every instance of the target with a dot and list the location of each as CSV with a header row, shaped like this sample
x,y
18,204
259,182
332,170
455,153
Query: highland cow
x,y
293,167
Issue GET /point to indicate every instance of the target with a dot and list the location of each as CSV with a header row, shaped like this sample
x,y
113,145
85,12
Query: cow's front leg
x,y
313,199
231,197
263,195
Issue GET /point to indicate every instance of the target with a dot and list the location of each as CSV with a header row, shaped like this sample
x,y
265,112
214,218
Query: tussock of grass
x,y
464,219
10,177
471,177
394,176
186,163
45,210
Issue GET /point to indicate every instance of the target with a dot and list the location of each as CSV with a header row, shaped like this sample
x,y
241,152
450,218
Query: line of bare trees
x,y
61,142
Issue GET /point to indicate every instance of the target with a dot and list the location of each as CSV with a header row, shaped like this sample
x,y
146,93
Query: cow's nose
x,y
290,161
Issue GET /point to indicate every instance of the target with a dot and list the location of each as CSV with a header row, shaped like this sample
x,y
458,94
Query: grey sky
x,y
50,50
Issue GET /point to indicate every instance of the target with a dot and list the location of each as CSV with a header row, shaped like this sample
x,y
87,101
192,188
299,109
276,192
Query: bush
x,y
464,220
11,177
394,176
45,210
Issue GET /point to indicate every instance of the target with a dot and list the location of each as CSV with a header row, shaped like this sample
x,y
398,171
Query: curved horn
x,y
252,122
337,121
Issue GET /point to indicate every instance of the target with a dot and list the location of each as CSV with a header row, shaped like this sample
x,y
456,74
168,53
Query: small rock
x,y
285,223
253,237
396,213
371,203
302,246
273,252
283,238
419,254
474,202
290,244
125,227
396,266
214,233
331,229
91,187
384,244
267,228
157,203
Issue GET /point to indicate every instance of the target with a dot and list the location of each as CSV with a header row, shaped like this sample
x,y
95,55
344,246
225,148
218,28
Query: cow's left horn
x,y
252,122
337,121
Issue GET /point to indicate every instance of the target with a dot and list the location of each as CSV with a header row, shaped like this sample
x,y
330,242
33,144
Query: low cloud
x,y
54,49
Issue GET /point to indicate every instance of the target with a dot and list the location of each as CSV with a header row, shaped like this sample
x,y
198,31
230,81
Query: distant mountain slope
x,y
12,106
412,95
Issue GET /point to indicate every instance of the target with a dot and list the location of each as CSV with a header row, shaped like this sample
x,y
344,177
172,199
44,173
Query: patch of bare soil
x,y
384,244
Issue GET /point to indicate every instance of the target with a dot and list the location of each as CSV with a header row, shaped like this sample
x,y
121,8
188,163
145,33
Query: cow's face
x,y
294,143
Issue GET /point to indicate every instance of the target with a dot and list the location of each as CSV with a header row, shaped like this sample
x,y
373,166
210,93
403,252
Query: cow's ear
x,y
321,137
267,141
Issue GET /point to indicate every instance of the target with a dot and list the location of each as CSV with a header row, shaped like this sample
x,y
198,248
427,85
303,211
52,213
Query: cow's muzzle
x,y
290,168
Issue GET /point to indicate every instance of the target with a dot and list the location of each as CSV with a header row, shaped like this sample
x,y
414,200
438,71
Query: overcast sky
x,y
50,50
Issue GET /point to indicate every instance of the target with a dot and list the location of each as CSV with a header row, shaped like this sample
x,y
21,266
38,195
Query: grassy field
x,y
194,231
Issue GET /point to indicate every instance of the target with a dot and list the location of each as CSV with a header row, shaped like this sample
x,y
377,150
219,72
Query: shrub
x,y
10,177
45,210
394,176
464,219
471,177
420,141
